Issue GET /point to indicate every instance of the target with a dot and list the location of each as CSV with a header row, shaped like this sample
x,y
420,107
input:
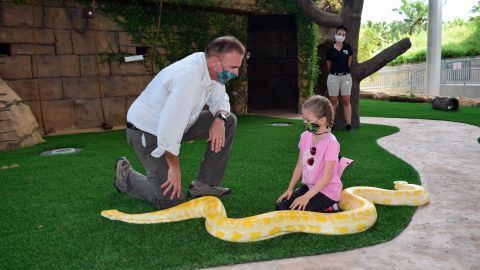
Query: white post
x,y
434,47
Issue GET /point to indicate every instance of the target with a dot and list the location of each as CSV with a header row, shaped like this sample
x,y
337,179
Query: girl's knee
x,y
283,205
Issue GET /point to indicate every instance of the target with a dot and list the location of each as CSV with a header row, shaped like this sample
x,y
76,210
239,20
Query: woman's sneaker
x,y
199,189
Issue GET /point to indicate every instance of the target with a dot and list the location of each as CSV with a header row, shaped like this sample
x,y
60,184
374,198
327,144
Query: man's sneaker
x,y
198,189
120,165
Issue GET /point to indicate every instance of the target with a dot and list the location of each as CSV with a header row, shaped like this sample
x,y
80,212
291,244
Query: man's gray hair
x,y
224,44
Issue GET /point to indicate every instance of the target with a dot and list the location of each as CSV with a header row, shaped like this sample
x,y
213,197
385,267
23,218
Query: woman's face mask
x,y
339,38
224,75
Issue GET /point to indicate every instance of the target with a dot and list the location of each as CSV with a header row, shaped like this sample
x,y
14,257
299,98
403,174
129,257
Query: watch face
x,y
222,116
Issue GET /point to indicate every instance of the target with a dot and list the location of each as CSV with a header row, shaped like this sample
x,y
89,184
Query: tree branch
x,y
318,16
380,60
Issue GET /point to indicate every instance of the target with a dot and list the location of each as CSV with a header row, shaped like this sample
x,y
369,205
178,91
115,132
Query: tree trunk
x,y
321,86
350,17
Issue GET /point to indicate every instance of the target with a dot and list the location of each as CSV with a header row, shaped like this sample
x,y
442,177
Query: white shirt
x,y
173,100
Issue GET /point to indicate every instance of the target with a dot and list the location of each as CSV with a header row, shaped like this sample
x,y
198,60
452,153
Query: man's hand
x,y
216,135
174,177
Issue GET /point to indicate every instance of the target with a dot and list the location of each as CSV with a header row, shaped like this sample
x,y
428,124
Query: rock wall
x,y
53,53
51,56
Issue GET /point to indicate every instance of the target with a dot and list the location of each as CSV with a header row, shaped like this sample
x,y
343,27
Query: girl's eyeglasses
x,y
313,151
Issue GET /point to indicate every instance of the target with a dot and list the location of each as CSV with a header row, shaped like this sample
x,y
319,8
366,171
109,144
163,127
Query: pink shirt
x,y
328,149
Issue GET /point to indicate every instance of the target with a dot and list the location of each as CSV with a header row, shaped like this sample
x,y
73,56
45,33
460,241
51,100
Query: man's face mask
x,y
225,75
311,127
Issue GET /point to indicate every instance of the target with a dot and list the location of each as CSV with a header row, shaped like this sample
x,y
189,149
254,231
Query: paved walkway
x,y
444,234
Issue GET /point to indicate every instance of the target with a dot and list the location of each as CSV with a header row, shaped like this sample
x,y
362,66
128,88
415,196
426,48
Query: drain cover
x,y
61,151
280,124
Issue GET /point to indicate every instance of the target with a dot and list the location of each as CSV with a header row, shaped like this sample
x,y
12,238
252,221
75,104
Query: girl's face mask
x,y
311,127
225,75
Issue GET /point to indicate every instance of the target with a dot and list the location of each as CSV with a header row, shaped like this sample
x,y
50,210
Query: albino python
x,y
357,204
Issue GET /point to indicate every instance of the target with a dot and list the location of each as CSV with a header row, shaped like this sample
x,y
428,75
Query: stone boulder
x,y
18,126
404,98
469,102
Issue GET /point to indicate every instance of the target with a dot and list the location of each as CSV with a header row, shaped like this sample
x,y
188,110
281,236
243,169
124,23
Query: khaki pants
x,y
211,171
339,85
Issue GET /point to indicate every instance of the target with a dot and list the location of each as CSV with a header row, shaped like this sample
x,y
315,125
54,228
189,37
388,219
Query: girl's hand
x,y
287,194
300,203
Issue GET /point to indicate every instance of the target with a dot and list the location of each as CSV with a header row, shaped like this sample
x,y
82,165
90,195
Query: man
x,y
168,112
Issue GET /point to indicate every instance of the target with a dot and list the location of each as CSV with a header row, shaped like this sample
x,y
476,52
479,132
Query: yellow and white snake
x,y
357,204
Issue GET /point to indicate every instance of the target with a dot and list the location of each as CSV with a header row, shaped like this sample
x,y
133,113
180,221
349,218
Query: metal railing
x,y
411,78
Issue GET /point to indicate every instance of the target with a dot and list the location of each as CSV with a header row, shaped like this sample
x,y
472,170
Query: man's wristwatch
x,y
222,116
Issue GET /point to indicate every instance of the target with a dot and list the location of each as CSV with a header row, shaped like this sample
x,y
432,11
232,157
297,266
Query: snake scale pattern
x,y
357,204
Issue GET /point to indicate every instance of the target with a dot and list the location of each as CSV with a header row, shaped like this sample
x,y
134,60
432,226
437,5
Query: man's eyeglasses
x,y
313,151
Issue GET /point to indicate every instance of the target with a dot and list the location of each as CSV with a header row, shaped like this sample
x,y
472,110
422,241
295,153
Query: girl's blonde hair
x,y
320,106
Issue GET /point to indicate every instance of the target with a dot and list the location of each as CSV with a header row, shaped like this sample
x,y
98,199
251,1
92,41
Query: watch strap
x,y
221,116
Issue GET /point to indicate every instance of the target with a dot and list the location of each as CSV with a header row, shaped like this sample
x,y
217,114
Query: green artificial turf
x,y
50,206
380,108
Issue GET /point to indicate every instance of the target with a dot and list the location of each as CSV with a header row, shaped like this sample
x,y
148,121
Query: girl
x,y
317,162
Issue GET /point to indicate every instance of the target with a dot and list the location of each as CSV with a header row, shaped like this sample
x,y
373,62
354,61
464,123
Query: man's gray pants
x,y
211,171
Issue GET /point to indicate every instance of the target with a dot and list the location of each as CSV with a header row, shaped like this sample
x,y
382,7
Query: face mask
x,y
311,127
225,75
339,38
